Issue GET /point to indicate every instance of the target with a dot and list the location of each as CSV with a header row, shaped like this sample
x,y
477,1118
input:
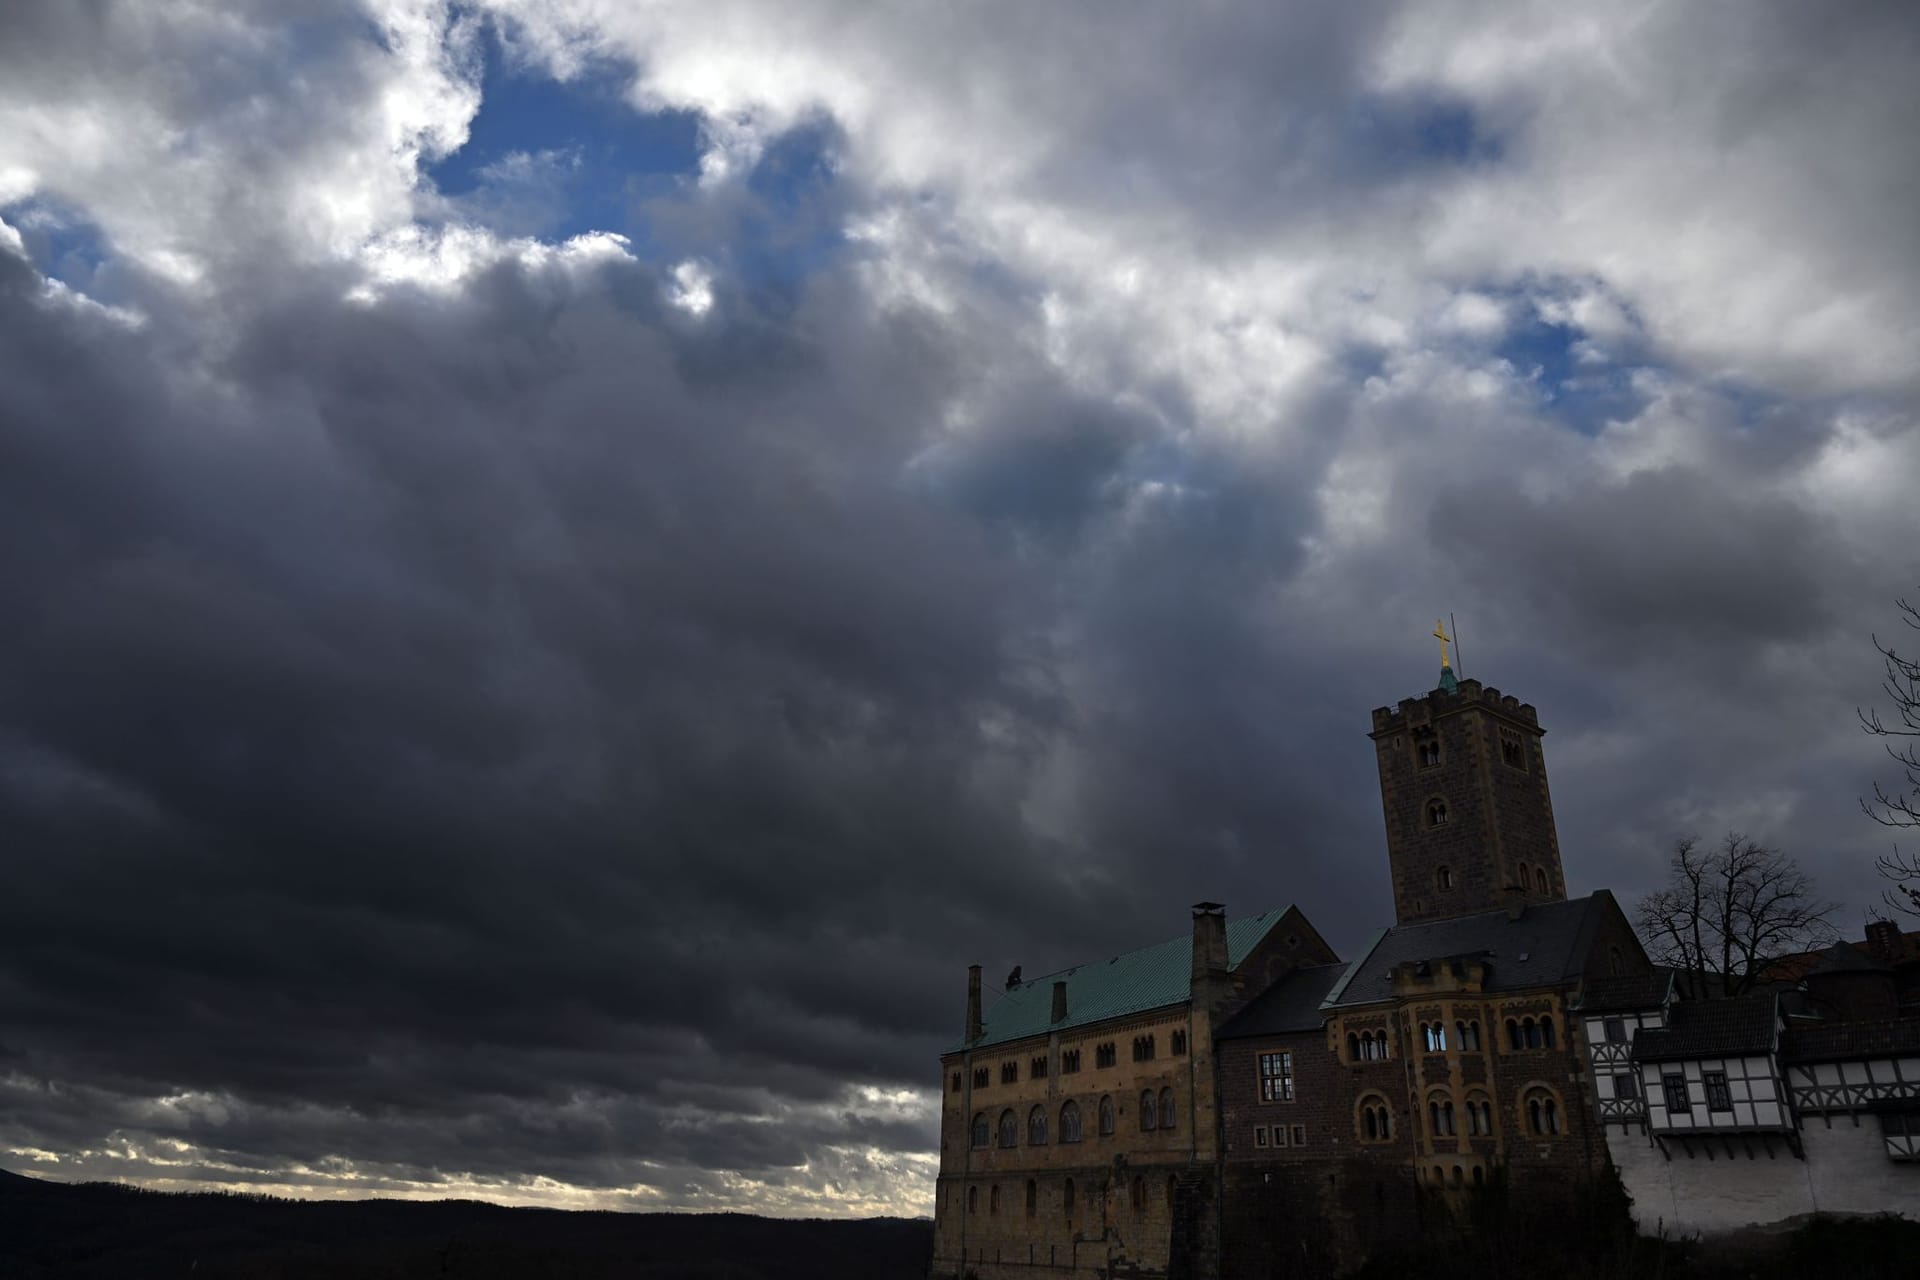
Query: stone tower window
x,y
1426,747
1540,881
1513,753
1436,812
1376,1121
1444,878
979,1128
1166,1109
1543,1112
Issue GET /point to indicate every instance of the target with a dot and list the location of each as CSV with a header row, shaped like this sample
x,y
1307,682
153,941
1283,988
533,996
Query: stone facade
x,y
1475,754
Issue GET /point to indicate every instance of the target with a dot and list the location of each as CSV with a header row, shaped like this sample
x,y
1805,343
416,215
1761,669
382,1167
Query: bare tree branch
x,y
1901,807
1730,913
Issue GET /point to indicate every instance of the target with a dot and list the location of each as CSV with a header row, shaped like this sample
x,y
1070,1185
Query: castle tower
x,y
1463,783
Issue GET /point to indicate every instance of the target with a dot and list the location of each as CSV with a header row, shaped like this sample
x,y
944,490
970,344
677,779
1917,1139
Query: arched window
x,y
1166,1108
1353,1046
1479,1116
1514,1039
1376,1121
1106,1117
1540,880
1139,1194
1535,1037
1546,1031
1434,1036
1436,813
1069,1121
1037,1127
973,1199
993,1199
1469,1034
1009,1129
1444,878
1440,1116
1459,1175
1526,877
979,1128
1148,1112
1066,1197
1543,1112
1033,1197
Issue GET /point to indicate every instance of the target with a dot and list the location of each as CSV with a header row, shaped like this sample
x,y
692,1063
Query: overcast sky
x,y
566,566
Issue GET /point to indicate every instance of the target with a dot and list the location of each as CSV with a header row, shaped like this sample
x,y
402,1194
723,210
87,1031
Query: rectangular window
x,y
1299,1135
981,1077
1718,1099
1037,1069
1276,1077
1259,1135
1676,1086
1626,1086
1069,1062
1104,1055
956,1081
1179,1043
1009,1073
1616,1030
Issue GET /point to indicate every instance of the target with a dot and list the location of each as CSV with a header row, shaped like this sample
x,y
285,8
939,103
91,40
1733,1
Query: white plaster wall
x,y
1708,1197
1851,1171
1846,1171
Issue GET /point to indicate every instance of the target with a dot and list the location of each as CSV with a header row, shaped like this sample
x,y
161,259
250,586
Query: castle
x,y
1242,1102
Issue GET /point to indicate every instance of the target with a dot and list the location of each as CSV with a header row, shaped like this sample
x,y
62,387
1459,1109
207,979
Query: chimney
x,y
1516,900
1209,941
1884,942
974,1025
1060,1000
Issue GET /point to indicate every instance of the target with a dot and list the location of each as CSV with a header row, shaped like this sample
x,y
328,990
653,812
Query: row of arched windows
x,y
1138,1194
1530,1033
1538,1109
1157,1111
1366,1046
1535,878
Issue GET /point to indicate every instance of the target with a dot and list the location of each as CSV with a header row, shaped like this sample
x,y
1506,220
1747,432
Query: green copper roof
x,y
1150,978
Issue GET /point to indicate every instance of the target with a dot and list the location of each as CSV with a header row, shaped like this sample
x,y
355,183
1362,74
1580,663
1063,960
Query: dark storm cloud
x,y
468,718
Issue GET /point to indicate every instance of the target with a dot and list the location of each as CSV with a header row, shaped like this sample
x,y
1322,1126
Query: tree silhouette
x,y
1730,912
1901,808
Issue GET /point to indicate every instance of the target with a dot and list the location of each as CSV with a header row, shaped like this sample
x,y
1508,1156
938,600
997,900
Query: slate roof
x,y
1546,945
1845,957
1880,1038
1711,1029
1150,978
1291,1004
1626,993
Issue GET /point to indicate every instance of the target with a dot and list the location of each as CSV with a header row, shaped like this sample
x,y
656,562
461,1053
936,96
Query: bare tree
x,y
1729,912
1902,807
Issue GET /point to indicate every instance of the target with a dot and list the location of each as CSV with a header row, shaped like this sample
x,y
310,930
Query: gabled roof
x,y
1626,994
1546,946
1291,1004
1150,978
1879,1038
1845,957
1711,1029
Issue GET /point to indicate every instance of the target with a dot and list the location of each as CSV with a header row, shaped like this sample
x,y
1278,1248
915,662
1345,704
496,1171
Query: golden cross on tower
x,y
1440,632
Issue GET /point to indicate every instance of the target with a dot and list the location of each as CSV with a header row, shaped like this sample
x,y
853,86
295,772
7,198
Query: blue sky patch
x,y
1577,382
60,243
556,159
